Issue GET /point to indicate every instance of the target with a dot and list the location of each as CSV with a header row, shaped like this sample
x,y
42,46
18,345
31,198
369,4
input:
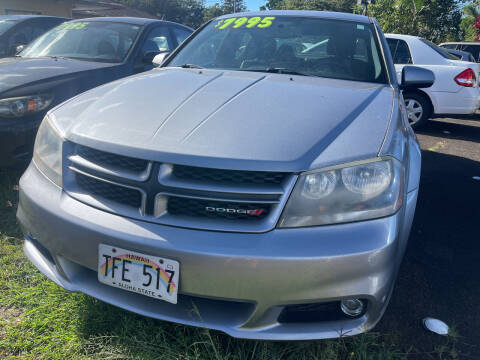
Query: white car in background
x,y
455,90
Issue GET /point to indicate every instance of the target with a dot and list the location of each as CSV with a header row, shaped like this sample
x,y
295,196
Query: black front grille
x,y
216,209
116,161
227,176
119,194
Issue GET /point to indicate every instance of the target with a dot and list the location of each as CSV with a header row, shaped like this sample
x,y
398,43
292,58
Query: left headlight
x,y
351,192
21,106
47,153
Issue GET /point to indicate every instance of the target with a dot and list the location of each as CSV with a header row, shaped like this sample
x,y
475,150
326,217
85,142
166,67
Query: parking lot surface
x,y
439,276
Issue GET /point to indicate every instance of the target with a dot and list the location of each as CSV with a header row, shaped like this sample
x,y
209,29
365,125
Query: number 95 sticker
x,y
236,23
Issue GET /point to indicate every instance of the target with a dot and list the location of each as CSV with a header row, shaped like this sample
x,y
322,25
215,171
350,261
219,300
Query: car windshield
x,y
94,41
5,25
287,44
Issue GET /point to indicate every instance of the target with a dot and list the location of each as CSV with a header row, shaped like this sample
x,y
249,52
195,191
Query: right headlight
x,y
47,153
25,105
351,192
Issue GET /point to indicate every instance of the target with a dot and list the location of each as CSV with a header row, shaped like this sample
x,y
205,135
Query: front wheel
x,y
418,109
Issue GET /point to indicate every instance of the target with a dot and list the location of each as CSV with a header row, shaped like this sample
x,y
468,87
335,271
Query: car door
x,y
158,40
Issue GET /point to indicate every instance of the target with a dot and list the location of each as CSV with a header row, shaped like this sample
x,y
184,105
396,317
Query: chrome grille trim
x,y
87,163
213,198
106,205
157,182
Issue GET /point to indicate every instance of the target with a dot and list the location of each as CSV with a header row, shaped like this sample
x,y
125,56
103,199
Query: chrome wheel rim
x,y
414,110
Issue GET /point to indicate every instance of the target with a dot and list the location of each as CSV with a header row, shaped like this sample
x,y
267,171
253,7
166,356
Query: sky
x,y
254,4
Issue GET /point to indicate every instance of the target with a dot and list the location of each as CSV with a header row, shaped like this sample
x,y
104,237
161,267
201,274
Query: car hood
x,y
17,72
231,119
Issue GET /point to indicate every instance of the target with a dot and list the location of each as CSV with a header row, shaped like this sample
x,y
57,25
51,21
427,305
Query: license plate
x,y
140,273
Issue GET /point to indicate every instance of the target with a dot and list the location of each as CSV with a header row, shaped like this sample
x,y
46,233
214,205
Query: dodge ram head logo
x,y
221,210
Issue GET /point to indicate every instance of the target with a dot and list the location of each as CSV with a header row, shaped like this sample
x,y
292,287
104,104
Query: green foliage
x,y
328,5
436,20
471,12
222,8
188,12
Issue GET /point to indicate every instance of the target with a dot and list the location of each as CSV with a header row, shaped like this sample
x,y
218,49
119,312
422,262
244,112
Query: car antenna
x,y
365,3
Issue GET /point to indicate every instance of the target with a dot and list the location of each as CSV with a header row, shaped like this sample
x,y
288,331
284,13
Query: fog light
x,y
352,307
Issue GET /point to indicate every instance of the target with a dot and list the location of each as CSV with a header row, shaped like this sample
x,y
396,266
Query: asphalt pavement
x,y
440,275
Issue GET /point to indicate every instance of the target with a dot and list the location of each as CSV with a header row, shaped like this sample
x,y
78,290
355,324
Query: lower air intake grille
x,y
227,176
216,209
119,194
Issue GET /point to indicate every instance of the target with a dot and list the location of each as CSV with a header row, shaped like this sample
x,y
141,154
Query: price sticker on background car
x,y
247,22
73,26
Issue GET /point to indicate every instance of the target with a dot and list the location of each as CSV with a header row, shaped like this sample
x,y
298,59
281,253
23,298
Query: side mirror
x,y
149,56
20,48
414,77
160,58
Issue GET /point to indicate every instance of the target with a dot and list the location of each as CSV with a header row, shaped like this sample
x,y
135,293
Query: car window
x,y
472,49
449,46
5,25
400,51
96,41
180,34
442,52
158,40
21,35
309,46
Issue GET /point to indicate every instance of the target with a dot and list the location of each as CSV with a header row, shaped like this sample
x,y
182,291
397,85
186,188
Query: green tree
x,y
330,5
222,8
436,20
188,12
212,12
468,30
230,6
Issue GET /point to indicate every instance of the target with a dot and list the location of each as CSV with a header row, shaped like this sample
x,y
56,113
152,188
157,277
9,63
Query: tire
x,y
418,109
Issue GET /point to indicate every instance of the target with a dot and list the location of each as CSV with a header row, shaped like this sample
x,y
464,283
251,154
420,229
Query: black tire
x,y
420,103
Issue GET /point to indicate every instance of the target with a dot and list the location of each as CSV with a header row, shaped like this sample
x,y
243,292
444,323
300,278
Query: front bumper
x,y
17,137
465,101
233,282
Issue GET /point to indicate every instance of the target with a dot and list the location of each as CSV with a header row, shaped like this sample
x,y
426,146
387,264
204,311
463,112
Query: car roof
x,y
127,20
26,17
304,13
462,42
401,36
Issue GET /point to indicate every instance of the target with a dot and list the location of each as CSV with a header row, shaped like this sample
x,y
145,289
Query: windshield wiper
x,y
277,70
191,66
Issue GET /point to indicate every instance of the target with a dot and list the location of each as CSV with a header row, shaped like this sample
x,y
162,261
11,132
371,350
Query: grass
x,y
40,320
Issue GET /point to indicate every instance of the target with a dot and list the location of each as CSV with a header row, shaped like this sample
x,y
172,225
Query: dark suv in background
x,y
18,30
468,46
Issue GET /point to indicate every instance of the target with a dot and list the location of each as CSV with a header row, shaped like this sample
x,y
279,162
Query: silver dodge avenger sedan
x,y
262,181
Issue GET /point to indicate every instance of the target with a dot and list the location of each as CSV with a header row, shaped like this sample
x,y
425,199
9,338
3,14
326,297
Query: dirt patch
x,y
9,316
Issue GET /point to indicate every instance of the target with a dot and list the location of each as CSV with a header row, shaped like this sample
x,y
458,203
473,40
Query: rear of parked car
x,y
455,90
262,182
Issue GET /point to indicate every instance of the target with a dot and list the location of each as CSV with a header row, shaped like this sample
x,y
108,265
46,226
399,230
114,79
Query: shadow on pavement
x,y
439,276
449,130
